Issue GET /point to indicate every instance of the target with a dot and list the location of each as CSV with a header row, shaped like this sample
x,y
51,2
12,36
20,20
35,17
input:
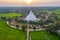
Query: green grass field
x,y
7,33
57,11
10,15
41,36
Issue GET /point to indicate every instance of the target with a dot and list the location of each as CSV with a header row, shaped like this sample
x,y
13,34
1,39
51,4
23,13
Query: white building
x,y
31,17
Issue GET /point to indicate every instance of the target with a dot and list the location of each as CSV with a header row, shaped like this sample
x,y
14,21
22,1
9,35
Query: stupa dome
x,y
30,17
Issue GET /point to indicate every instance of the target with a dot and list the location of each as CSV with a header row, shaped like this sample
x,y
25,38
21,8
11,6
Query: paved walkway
x,y
12,26
26,30
27,38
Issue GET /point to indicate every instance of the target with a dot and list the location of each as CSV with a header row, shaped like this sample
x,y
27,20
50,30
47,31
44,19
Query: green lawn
x,y
57,11
10,14
41,36
7,33
53,37
58,15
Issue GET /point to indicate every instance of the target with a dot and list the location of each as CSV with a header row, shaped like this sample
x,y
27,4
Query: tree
x,y
58,25
23,27
34,28
17,26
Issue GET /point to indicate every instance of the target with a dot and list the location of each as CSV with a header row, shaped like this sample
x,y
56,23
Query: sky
x,y
33,3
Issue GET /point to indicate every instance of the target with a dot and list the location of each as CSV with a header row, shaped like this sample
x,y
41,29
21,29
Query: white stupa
x,y
30,17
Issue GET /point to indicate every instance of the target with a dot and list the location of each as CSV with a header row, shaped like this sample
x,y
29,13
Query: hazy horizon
x,y
33,3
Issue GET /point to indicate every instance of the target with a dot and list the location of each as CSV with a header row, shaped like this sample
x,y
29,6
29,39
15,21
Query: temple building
x,y
31,17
